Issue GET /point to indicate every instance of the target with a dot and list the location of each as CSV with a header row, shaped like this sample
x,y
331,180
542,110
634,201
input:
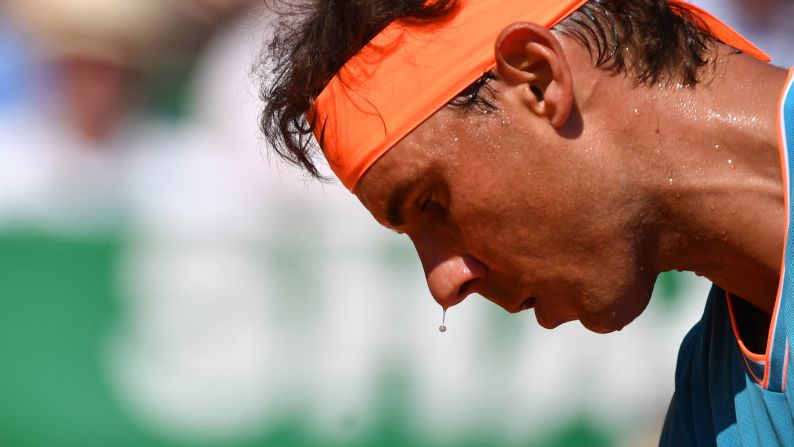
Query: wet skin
x,y
562,199
500,222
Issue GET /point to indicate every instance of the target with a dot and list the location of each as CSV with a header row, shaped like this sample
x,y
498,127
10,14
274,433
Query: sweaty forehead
x,y
407,162
432,143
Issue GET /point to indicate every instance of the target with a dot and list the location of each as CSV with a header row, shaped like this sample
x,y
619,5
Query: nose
x,y
453,278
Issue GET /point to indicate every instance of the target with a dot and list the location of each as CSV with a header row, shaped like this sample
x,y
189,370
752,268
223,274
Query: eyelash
x,y
478,95
427,203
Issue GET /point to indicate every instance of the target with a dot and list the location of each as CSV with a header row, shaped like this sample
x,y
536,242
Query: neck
x,y
708,162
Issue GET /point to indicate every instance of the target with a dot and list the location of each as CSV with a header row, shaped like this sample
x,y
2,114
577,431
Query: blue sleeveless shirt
x,y
726,395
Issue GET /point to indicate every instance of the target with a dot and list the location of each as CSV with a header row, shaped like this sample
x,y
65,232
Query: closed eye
x,y
427,203
431,204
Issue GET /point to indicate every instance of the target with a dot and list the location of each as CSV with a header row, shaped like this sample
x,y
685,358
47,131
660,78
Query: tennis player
x,y
557,155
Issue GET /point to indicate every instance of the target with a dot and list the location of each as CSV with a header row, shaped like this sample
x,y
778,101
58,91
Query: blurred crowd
x,y
165,282
767,23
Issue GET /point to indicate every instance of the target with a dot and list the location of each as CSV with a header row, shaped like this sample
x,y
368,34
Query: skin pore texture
x,y
583,186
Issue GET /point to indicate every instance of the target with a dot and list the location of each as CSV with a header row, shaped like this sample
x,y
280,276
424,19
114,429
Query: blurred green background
x,y
82,365
164,282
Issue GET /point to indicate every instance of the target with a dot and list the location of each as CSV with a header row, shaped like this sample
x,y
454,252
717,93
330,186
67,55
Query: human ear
x,y
530,58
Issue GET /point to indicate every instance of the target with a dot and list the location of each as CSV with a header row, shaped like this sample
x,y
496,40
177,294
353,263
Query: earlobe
x,y
531,59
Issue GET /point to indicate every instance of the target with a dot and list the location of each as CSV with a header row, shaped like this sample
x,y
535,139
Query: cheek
x,y
512,195
532,234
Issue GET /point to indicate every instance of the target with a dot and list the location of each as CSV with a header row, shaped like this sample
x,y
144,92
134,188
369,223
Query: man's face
x,y
504,205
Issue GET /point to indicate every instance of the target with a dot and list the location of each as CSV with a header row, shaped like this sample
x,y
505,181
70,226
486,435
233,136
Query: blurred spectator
x,y
102,175
107,65
767,23
14,64
101,52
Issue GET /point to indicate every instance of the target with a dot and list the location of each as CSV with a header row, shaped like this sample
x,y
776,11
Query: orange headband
x,y
407,73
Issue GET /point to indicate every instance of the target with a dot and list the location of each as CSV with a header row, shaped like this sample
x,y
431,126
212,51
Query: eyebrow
x,y
396,201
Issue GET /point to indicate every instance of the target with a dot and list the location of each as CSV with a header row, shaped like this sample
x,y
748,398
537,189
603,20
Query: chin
x,y
550,323
601,328
620,307
611,320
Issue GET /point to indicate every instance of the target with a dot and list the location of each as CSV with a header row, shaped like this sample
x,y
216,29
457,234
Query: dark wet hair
x,y
650,40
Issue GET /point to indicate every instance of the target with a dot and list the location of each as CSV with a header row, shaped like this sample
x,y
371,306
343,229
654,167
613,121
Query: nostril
x,y
465,289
